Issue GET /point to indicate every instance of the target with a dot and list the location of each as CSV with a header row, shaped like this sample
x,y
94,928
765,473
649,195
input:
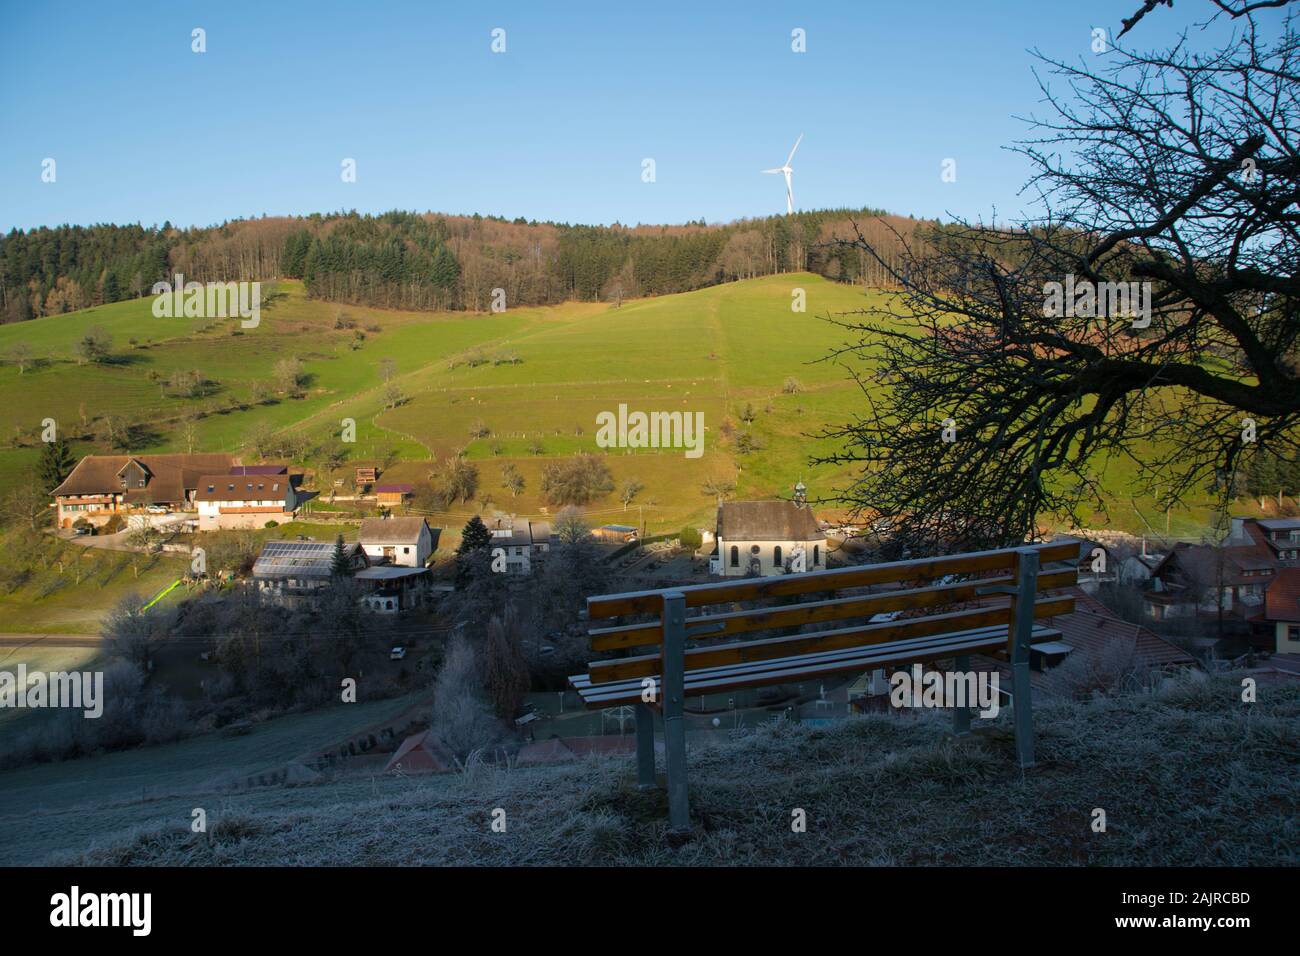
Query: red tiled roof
x,y
1282,597
421,753
1092,626
1090,629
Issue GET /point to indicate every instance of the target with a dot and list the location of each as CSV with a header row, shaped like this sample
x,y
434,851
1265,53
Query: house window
x,y
735,556
776,556
817,554
140,483
406,551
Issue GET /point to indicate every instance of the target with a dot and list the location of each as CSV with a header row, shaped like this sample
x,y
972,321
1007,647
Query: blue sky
x,y
145,130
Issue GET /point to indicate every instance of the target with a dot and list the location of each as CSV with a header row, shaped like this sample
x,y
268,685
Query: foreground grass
x,y
1187,777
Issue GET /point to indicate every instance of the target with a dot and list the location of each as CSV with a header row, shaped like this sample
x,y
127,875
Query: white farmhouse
x,y
407,542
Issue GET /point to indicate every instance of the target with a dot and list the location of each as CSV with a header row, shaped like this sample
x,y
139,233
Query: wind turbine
x,y
789,187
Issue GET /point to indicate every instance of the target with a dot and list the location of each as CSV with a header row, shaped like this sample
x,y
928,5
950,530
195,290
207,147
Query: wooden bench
x,y
930,625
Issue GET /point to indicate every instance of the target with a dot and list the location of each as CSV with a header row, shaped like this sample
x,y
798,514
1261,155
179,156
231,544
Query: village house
x,y
247,497
1198,578
1279,622
1136,569
1098,565
408,542
391,588
297,571
766,538
520,542
151,487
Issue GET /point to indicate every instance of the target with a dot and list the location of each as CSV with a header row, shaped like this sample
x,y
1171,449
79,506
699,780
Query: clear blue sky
x,y
144,130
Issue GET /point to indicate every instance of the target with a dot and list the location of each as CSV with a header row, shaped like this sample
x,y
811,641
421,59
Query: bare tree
x,y
995,395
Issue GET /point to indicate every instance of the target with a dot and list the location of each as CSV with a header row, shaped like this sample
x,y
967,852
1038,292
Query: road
x,y
59,640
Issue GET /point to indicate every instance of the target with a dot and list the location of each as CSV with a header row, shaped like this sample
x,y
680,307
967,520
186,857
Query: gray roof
x,y
767,521
1279,524
388,572
297,559
391,530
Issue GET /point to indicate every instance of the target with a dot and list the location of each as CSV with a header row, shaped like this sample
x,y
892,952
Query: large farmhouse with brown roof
x,y
102,486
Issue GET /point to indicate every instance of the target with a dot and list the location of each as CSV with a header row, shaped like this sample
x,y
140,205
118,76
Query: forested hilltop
x,y
429,261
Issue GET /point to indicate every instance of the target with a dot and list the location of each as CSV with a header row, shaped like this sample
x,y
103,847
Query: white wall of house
x,y
408,554
518,558
770,560
1287,637
215,515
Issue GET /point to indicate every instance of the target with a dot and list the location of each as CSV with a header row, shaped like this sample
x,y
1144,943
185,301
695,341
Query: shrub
x,y
577,480
271,524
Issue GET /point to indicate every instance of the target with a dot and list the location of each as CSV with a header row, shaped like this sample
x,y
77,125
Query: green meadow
x,y
717,351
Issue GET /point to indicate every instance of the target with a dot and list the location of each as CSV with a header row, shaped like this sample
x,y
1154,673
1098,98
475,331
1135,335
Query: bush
x,y
691,538
577,481
271,524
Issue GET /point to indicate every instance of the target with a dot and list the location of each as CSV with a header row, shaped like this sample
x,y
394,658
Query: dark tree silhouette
x,y
1175,170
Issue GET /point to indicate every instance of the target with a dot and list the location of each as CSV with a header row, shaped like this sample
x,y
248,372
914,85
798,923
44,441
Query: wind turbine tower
x,y
787,169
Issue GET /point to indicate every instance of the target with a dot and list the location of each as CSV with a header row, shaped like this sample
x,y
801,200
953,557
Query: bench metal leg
x,y
961,715
674,693
1022,633
645,747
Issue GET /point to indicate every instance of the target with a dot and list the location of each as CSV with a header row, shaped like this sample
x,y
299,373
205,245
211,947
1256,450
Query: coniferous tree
x,y
56,463
340,566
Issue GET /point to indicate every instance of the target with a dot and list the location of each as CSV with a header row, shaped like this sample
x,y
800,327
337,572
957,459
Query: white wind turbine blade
x,y
789,192
796,146
777,170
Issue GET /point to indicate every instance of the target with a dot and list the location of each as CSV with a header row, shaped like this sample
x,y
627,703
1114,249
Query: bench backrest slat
x,y
650,665
812,582
818,612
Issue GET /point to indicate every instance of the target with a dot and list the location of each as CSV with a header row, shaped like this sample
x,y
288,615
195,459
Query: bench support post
x,y
645,747
1021,634
960,714
674,699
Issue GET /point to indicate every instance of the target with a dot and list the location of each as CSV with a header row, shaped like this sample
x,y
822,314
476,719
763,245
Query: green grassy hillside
x,y
716,351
